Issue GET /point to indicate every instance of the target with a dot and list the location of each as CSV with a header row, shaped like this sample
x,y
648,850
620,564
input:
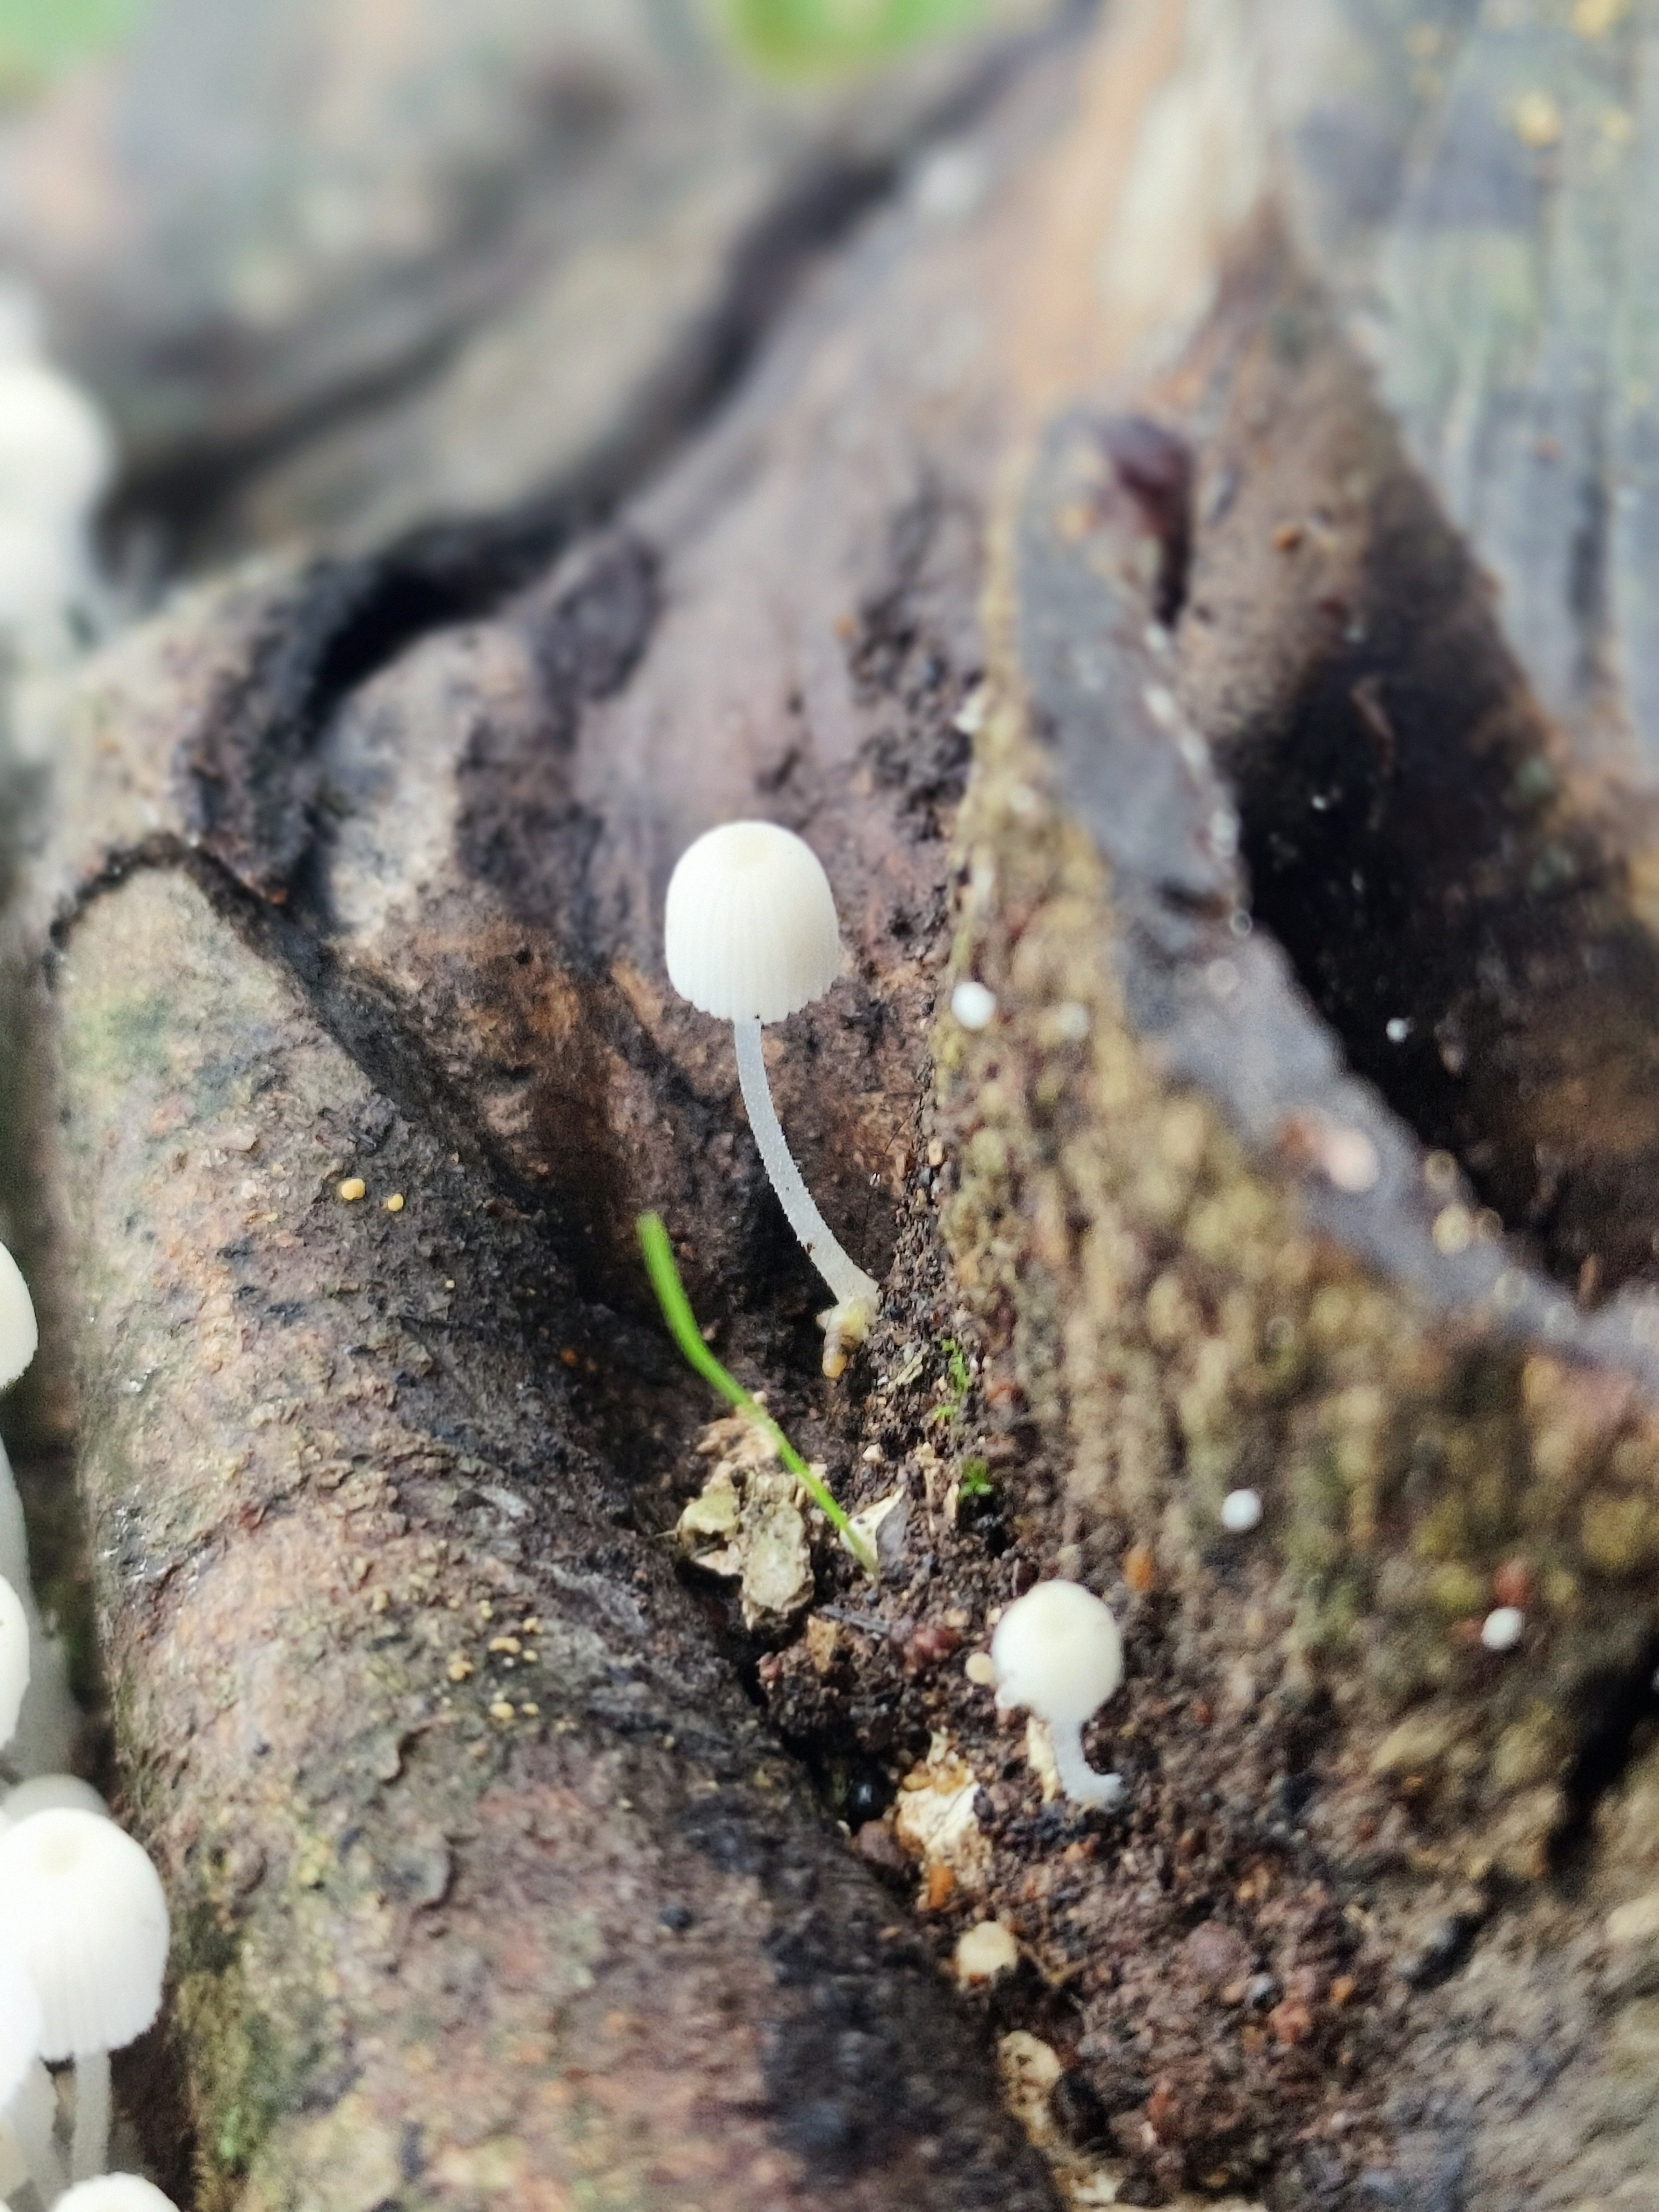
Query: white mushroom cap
x,y
19,1335
750,931
14,1659
1057,1652
49,1793
117,2192
22,2027
82,1907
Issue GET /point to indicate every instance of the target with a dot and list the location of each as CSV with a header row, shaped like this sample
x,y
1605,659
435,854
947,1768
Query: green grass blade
x,y
808,37
683,1326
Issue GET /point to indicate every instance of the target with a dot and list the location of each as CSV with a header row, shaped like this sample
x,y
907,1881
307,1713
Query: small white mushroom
x,y
82,1911
116,2192
751,936
1240,1511
1057,1652
974,1005
1503,1628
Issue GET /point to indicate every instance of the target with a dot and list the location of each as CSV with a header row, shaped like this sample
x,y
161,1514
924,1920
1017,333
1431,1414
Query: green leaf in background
x,y
800,37
38,38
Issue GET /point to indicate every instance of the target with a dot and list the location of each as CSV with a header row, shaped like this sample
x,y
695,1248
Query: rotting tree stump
x,y
1237,432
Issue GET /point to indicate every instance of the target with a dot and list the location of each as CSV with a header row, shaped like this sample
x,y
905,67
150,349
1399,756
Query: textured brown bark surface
x,y
1310,1148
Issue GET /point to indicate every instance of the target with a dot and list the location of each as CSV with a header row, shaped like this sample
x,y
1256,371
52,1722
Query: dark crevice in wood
x,y
1457,910
1618,1716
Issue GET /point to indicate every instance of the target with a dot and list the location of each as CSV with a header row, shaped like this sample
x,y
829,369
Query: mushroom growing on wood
x,y
1057,1652
751,937
82,1911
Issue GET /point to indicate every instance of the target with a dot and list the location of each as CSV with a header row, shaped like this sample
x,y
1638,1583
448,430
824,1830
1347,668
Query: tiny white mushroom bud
x,y
19,1335
83,1910
1057,1652
974,1005
750,935
1240,1511
1503,1628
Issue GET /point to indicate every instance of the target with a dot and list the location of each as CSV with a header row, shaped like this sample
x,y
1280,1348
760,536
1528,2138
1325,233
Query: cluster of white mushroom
x,y
84,1919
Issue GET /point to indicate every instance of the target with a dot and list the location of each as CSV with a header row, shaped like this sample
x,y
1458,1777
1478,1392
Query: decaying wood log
x,y
1311,1148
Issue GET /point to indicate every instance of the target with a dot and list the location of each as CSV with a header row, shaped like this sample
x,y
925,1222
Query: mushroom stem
x,y
853,1288
30,2116
1081,1784
89,2146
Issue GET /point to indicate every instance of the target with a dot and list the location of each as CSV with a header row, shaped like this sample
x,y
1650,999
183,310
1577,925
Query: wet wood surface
x,y
1137,581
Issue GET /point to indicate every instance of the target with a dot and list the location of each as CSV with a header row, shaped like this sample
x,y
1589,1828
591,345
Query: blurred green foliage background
x,y
37,37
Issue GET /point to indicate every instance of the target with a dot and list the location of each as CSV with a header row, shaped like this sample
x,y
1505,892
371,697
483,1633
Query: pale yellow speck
x,y
978,1669
395,1203
505,1644
531,1657
378,1602
459,1668
500,1711
1537,119
351,1189
531,1712
530,1626
486,1611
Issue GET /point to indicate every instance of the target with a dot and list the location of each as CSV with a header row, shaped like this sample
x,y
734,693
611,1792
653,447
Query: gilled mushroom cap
x,y
21,2027
1057,1652
117,2192
14,1659
18,1333
81,1909
751,930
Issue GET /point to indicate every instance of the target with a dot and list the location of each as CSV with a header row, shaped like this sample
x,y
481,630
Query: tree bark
x,y
1144,442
